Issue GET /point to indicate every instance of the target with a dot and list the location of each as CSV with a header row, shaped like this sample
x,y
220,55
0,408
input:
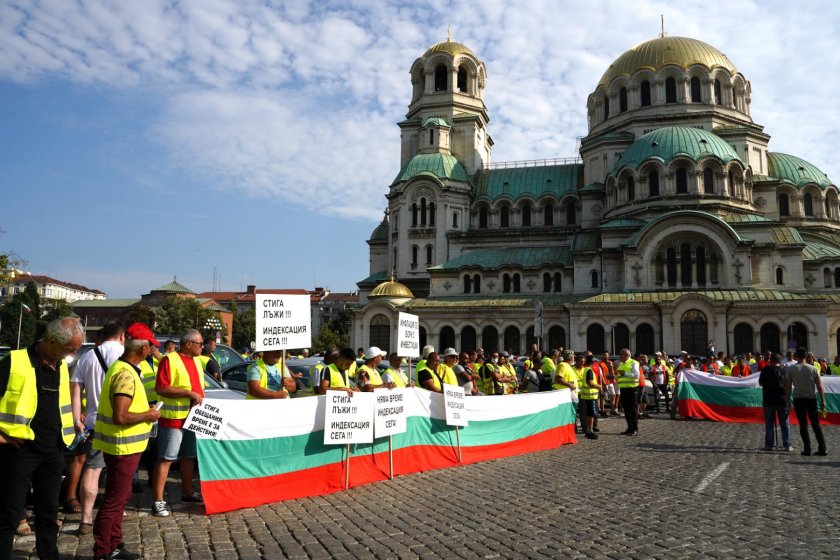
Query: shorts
x,y
611,390
94,458
587,408
174,443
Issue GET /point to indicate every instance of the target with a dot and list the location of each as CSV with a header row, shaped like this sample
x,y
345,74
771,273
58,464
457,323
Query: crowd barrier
x,y
273,450
738,399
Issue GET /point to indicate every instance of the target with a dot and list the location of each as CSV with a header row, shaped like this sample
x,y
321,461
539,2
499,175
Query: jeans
x,y
770,415
806,410
662,390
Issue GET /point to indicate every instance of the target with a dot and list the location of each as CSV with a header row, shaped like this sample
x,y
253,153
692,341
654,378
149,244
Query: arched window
x,y
717,92
548,215
380,332
414,252
595,338
713,268
701,266
784,205
546,282
558,282
695,90
506,283
645,93
631,189
622,100
423,211
682,181
593,277
571,214
671,264
422,334
670,90
414,214
837,277
769,336
530,339
732,183
428,254
645,342
455,219
826,278
482,217
556,337
447,338
468,339
432,214
798,334
606,107
653,183
516,284
708,180
780,275
512,340
490,339
504,216
660,270
526,215
476,284
808,204
685,265
467,283
621,338
694,332
743,334
431,137
462,80
441,78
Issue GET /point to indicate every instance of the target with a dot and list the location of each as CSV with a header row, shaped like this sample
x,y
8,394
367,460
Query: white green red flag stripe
x,y
273,450
738,399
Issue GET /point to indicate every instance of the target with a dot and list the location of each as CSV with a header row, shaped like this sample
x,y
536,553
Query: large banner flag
x,y
738,399
273,450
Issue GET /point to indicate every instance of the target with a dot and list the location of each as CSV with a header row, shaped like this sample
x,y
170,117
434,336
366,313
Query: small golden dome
x,y
659,52
451,47
391,289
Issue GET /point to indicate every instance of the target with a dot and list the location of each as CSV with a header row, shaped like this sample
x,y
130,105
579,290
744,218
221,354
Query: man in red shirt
x,y
180,386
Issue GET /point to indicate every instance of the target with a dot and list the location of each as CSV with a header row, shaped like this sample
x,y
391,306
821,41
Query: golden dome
x,y
656,53
451,47
391,289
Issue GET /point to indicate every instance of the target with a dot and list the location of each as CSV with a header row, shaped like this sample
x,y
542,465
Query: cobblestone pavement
x,y
650,496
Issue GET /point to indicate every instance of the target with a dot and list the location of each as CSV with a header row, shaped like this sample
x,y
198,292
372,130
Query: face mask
x,y
495,360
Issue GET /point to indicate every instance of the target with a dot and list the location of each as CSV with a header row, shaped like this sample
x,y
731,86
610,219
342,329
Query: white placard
x,y
348,419
454,401
390,416
408,335
206,419
283,321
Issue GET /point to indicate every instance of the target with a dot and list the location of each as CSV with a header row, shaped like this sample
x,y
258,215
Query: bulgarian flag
x,y
738,399
273,450
25,308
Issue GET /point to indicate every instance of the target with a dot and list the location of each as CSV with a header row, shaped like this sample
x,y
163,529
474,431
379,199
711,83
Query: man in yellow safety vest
x,y
628,380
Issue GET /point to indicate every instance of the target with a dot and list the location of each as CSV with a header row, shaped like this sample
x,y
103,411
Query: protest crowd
x,y
126,389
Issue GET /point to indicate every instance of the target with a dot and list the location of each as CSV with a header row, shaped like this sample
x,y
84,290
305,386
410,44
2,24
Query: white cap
x,y
449,352
373,352
428,349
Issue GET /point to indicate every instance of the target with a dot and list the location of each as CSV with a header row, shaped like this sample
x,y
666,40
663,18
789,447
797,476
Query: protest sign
x,y
348,419
390,416
205,419
454,401
408,335
283,321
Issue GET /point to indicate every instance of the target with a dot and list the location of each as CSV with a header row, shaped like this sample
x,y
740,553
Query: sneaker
x,y
194,498
806,453
591,435
789,448
159,509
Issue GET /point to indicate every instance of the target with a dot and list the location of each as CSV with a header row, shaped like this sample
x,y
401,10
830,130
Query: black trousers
x,y
806,410
630,403
19,468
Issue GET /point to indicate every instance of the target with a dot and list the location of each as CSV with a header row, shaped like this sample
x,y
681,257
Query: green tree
x,y
13,312
141,313
177,314
329,338
244,326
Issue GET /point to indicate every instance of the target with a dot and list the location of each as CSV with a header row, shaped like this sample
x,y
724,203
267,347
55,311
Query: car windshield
x,y
226,356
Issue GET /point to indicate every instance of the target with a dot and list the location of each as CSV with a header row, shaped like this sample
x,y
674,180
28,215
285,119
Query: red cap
x,y
139,331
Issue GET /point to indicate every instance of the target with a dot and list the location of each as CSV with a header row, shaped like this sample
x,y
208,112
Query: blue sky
x,y
146,140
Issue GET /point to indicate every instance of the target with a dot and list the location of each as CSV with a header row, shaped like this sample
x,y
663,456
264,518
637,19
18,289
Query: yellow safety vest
x,y
510,371
397,377
337,379
584,390
567,372
490,384
625,382
833,369
447,377
373,374
548,366
420,365
177,409
264,377
20,401
312,371
726,370
149,377
127,439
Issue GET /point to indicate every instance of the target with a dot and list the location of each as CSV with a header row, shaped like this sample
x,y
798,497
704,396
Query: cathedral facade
x,y
675,227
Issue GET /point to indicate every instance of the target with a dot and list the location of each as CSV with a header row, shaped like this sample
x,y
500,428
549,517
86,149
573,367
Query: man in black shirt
x,y
35,424
773,382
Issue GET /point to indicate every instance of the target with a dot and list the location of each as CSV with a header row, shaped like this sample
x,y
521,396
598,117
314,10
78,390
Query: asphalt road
x,y
680,489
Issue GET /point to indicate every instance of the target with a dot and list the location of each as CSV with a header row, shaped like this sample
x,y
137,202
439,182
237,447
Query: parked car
x,y
215,390
236,375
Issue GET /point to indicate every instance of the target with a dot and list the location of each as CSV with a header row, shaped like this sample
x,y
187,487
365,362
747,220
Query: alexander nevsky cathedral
x,y
677,224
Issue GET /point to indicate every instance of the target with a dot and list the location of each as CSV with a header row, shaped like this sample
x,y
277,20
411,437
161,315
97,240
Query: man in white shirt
x,y
88,377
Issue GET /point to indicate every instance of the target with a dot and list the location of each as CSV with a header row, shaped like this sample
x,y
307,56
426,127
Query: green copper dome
x,y
381,231
441,166
665,144
791,169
